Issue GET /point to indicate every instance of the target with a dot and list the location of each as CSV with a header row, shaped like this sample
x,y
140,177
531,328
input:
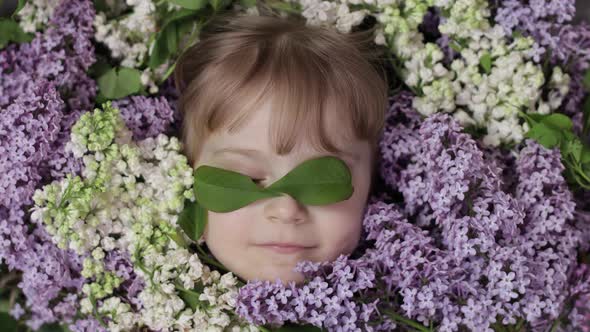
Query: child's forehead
x,y
259,146
256,128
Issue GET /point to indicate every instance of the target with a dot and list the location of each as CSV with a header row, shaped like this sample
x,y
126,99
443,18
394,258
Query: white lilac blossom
x,y
125,36
487,84
35,14
128,199
333,13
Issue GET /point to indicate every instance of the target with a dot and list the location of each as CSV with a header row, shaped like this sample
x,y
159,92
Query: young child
x,y
259,96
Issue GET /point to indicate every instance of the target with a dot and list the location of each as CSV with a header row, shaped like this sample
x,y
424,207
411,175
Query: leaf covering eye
x,y
319,181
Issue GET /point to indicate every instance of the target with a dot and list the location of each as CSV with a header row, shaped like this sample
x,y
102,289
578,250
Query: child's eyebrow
x,y
255,154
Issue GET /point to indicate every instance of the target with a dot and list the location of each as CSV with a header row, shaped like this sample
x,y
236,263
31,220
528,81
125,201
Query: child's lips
x,y
285,248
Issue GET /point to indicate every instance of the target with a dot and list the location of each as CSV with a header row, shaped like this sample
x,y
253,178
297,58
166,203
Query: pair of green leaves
x,y
319,181
556,130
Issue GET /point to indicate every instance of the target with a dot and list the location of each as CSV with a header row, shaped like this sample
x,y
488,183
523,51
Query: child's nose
x,y
285,209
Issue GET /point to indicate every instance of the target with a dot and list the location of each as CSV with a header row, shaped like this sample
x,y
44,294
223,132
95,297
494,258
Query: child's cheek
x,y
228,237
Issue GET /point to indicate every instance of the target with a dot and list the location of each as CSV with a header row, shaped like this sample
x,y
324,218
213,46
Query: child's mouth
x,y
284,248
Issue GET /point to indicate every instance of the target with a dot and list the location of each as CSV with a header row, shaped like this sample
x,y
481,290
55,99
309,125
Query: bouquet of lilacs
x,y
481,221
126,204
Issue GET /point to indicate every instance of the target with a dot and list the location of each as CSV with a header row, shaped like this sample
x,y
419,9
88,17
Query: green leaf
x,y
190,297
19,6
193,219
573,148
99,67
159,53
219,4
318,181
10,31
178,238
177,16
166,41
485,61
517,34
190,4
587,80
536,117
53,328
172,38
248,3
298,328
545,135
585,158
7,322
559,121
4,304
119,82
221,190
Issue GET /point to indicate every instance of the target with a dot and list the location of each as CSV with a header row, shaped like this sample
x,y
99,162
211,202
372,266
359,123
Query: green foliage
x,y
117,83
187,220
7,322
319,181
191,297
219,4
547,130
220,190
20,4
167,41
485,62
556,130
10,31
190,4
248,3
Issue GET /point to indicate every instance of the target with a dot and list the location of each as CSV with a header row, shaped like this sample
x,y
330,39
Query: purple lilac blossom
x,y
146,116
576,314
168,90
461,253
429,29
43,90
28,127
120,263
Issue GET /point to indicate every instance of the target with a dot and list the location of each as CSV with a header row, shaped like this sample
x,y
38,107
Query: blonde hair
x,y
240,60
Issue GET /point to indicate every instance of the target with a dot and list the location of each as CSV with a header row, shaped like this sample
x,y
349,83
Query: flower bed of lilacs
x,y
478,229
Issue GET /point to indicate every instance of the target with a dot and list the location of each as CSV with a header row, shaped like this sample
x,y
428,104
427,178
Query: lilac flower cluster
x,y
146,116
28,129
43,90
462,251
549,23
578,308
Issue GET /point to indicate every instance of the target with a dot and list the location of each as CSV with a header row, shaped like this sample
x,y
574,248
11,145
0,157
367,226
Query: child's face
x,y
236,238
